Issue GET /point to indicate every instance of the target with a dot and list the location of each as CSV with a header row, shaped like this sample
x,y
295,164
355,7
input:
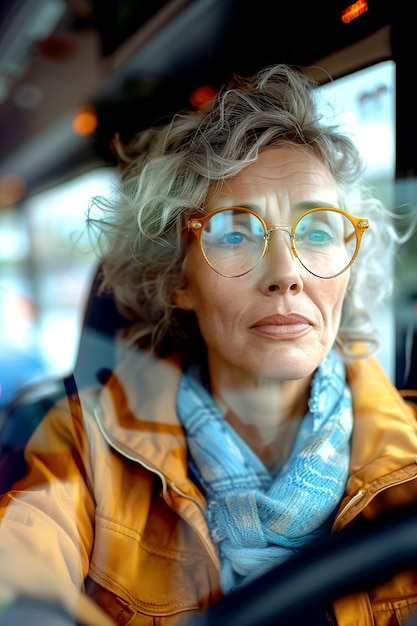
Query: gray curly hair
x,y
165,177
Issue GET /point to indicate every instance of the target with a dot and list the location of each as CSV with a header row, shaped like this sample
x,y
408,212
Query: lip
x,y
279,326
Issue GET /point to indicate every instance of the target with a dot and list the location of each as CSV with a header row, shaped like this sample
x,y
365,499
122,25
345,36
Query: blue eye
x,y
233,232
315,230
319,236
233,238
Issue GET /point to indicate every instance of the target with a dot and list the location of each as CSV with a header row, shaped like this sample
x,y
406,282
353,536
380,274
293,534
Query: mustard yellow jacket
x,y
108,522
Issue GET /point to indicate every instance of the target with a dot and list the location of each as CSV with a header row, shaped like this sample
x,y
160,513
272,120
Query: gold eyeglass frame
x,y
360,224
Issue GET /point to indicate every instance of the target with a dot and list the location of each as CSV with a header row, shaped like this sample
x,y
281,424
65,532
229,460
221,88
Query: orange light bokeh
x,y
12,189
354,10
85,120
202,95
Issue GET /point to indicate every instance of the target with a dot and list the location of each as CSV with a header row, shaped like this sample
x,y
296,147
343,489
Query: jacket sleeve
x,y
47,519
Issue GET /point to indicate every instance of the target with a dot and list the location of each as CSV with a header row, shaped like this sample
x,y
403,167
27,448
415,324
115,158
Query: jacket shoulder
x,y
371,387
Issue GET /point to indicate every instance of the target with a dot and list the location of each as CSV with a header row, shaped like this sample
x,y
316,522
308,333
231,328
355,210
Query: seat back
x,y
95,360
97,348
19,420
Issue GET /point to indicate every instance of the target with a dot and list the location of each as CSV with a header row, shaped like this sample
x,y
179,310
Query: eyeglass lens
x,y
234,242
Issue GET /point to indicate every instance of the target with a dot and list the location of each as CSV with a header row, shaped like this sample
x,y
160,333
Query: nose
x,y
280,268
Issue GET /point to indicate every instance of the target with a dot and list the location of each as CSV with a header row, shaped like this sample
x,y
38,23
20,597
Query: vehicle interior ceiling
x,y
135,63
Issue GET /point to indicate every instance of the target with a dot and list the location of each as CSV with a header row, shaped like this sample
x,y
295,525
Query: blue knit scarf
x,y
258,519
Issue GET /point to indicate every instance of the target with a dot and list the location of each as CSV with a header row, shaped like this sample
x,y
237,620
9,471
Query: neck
x,y
265,413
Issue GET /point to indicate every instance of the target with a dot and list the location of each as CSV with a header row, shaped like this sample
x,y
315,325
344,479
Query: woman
x,y
247,417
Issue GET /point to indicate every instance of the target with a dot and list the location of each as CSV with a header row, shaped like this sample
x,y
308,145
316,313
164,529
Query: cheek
x,y
203,288
333,295
212,300
187,297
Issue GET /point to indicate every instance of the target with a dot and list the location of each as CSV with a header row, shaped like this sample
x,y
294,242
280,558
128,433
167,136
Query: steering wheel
x,y
357,558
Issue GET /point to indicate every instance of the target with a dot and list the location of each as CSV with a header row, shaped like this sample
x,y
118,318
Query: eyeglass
x,y
234,240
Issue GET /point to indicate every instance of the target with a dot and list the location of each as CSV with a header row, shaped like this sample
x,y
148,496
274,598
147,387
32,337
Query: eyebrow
x,y
300,207
313,204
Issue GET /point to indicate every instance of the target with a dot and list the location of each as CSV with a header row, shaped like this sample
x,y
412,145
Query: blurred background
x,y
75,72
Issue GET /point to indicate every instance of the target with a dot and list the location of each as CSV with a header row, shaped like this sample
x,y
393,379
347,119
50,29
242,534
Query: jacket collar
x,y
385,427
137,415
384,446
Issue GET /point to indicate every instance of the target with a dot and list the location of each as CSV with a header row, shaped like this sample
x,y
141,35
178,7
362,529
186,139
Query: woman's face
x,y
278,321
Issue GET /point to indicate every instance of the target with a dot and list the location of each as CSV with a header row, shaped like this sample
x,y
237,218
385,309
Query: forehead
x,y
291,171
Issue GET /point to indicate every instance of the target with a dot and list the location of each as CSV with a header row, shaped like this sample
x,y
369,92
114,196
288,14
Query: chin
x,y
289,365
282,371
290,374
